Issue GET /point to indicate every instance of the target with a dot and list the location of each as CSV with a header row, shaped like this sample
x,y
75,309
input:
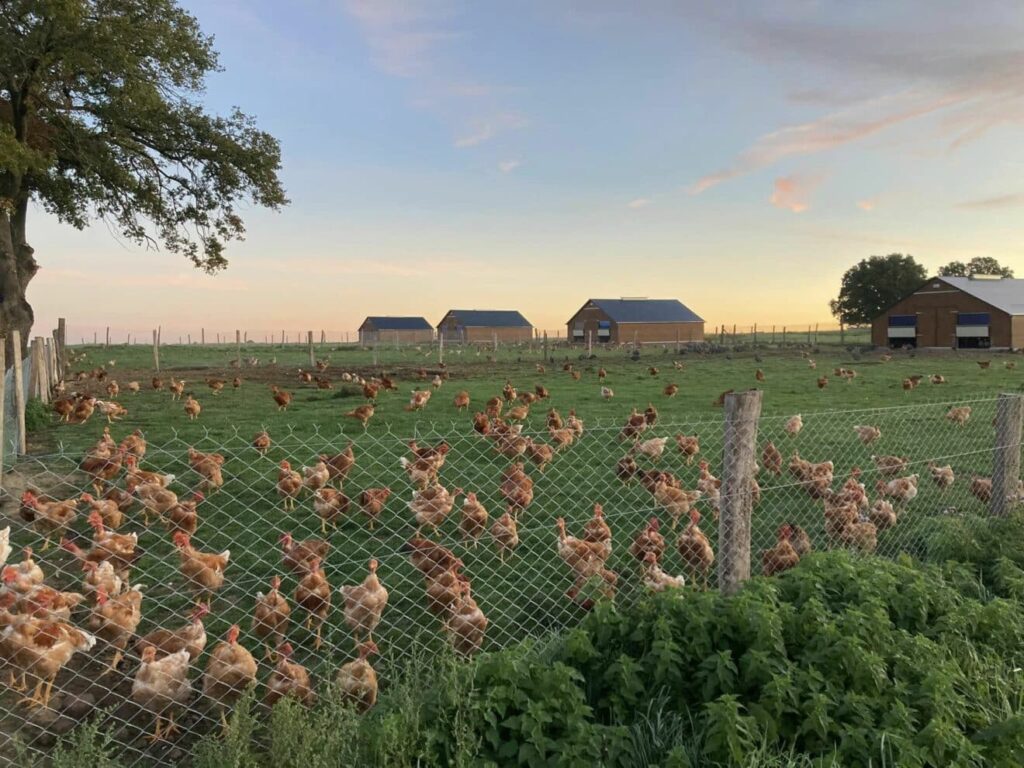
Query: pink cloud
x,y
867,204
792,193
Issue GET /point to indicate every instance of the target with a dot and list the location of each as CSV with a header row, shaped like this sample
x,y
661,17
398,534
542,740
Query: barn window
x,y
604,330
902,321
972,330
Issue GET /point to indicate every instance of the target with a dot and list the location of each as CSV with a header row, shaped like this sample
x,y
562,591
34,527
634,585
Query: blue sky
x,y
738,156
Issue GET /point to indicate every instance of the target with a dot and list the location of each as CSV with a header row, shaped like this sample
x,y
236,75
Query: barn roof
x,y
489,318
646,310
1006,294
382,323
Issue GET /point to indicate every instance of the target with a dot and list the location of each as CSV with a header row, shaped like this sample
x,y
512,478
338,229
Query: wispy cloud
x,y
416,40
640,202
507,166
868,204
484,129
792,193
829,132
960,67
993,203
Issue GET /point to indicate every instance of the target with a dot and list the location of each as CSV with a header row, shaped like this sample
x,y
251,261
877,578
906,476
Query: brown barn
x,y
646,321
397,330
467,326
978,312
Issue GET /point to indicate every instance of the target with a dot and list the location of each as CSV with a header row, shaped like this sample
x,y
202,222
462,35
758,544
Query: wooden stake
x,y
739,456
19,391
202,336
108,336
545,346
62,341
156,352
3,401
312,353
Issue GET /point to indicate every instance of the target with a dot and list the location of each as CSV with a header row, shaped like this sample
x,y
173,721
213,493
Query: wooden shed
x,y
644,321
467,326
979,312
397,330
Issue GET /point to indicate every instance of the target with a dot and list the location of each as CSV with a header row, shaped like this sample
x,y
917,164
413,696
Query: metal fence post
x,y
1006,454
739,449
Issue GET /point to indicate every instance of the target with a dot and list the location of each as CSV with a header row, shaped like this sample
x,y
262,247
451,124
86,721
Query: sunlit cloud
x,y
792,193
868,204
507,166
640,202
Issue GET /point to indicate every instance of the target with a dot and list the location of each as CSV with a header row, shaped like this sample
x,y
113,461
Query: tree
x,y
979,265
875,284
100,119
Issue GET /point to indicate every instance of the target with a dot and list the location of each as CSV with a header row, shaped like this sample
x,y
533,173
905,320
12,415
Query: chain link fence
x,y
481,537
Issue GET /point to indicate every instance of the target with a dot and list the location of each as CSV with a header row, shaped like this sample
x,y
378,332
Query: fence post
x,y
312,353
19,391
440,347
3,395
590,343
783,334
773,335
739,450
1006,455
545,346
62,351
108,337
202,336
755,334
815,333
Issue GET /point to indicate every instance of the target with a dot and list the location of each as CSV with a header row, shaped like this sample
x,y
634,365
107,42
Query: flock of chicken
x,y
39,637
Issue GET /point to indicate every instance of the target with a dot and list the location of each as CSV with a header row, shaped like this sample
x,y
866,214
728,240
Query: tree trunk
x,y
17,268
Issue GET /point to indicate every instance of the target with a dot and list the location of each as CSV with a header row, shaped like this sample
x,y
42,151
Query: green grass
x,y
524,597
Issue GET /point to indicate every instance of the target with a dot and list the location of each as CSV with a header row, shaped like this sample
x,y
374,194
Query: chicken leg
x,y
157,734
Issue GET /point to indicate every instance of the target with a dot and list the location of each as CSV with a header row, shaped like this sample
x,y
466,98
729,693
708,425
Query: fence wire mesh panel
x,y
480,541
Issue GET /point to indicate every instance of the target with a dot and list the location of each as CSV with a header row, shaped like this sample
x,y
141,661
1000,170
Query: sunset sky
x,y
529,155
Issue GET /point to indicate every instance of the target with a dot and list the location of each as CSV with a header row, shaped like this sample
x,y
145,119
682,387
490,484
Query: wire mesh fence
x,y
480,537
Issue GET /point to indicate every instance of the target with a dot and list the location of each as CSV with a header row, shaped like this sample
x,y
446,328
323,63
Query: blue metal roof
x,y
489,318
399,323
646,310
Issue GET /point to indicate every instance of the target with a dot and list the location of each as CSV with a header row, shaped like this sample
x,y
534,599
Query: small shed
x,y
978,312
467,326
644,321
399,330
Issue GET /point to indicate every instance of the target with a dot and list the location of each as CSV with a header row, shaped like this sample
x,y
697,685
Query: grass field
x,y
525,596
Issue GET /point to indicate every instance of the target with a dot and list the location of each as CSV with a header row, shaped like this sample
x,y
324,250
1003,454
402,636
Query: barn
x,y
461,326
978,312
399,330
645,321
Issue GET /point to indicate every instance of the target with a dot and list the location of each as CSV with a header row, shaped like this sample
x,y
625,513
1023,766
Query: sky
x,y
738,156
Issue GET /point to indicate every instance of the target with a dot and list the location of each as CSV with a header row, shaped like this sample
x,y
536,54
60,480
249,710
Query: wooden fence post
x,y
19,391
808,334
202,336
323,337
739,456
62,340
156,352
1006,454
755,334
312,353
3,395
773,334
590,343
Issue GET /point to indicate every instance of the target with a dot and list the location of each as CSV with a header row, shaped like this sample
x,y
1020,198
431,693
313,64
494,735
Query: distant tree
x,y
101,118
873,285
979,265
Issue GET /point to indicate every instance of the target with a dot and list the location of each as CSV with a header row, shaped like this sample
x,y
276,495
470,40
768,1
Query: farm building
x,y
395,330
484,325
977,312
645,321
